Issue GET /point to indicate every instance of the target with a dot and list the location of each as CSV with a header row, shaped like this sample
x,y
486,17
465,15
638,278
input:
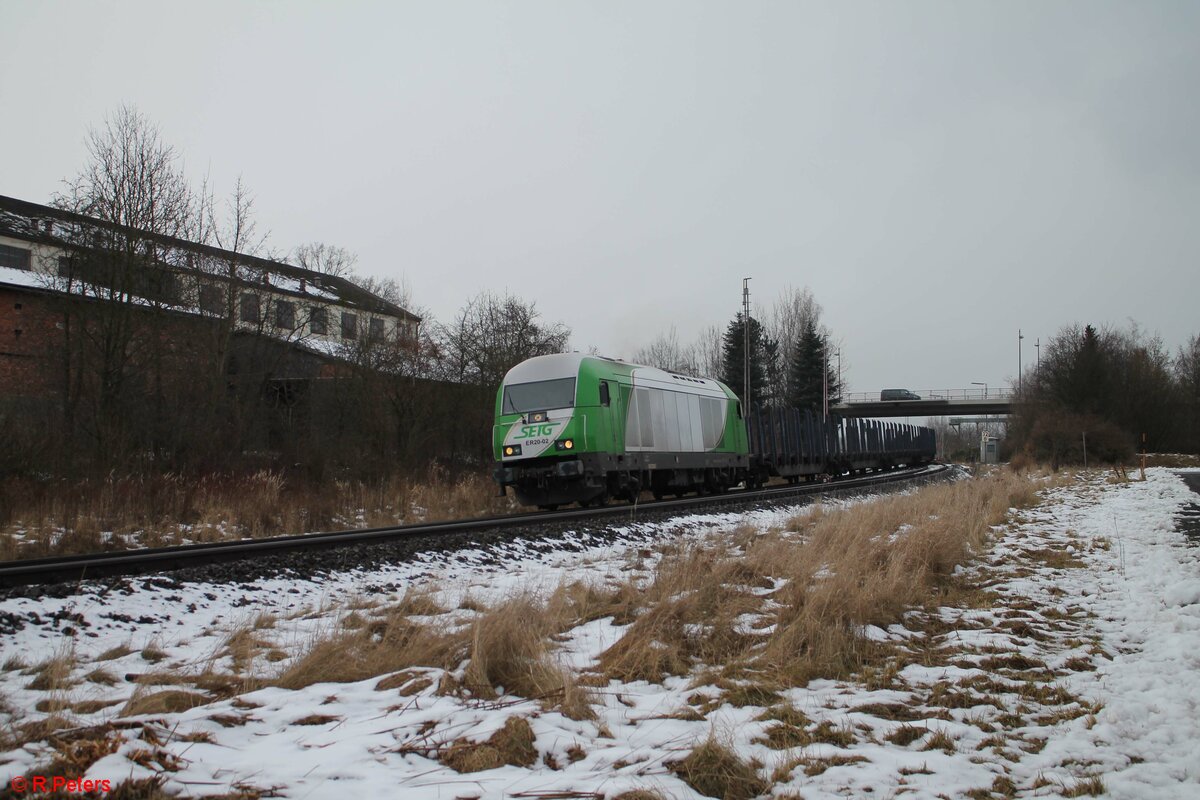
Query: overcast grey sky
x,y
939,174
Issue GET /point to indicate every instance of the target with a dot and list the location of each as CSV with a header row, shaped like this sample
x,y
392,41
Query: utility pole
x,y
1038,346
746,345
825,379
1020,364
841,386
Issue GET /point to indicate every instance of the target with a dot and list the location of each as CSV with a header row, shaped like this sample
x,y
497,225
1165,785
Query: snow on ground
x,y
1087,667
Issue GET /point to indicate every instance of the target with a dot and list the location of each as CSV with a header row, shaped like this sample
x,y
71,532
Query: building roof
x,y
20,219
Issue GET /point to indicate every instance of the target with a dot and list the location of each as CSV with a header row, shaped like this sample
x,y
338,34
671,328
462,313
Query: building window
x,y
349,325
318,320
15,257
285,314
249,310
162,285
212,300
376,328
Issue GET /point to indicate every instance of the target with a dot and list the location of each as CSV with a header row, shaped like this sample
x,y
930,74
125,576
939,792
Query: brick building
x,y
124,348
53,261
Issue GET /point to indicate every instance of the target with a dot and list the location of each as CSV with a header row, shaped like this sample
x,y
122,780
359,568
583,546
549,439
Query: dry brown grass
x,y
507,647
713,769
906,735
171,701
1174,460
388,644
73,750
817,766
512,744
112,653
690,613
53,517
1090,787
54,674
864,565
940,740
510,648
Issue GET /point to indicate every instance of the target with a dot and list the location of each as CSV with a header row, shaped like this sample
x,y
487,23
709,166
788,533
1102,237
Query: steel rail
x,y
41,571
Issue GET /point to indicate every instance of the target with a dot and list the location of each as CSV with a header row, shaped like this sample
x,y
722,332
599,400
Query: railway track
x,y
72,569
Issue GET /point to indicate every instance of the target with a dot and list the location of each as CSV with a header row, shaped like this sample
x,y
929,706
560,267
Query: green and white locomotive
x,y
575,428
580,428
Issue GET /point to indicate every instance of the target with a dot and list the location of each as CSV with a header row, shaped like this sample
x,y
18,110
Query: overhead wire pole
x,y
746,345
841,387
824,379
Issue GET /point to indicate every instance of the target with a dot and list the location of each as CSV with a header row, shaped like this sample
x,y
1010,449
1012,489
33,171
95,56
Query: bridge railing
x,y
988,393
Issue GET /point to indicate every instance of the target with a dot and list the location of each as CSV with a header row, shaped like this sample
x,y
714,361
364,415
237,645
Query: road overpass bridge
x,y
931,403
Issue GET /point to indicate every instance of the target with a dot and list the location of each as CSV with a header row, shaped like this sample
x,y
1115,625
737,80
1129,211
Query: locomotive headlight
x,y
565,444
512,449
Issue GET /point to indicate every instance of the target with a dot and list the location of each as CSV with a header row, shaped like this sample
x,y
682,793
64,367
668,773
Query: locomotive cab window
x,y
604,398
539,396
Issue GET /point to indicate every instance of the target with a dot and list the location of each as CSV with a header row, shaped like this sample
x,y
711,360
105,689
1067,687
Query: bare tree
x,y
327,259
492,334
132,179
1187,369
395,291
786,323
1187,379
707,351
489,336
666,353
702,357
134,182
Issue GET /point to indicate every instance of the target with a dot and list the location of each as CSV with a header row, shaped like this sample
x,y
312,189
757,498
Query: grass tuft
x,y
1092,787
392,643
714,770
171,701
940,740
513,744
906,735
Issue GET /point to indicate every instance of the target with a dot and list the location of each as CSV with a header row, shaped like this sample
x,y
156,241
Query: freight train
x,y
581,428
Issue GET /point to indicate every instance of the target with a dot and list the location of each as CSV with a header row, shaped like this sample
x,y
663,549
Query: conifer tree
x,y
807,388
763,350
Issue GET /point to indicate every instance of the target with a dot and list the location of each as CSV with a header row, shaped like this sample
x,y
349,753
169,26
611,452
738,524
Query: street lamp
x,y
985,388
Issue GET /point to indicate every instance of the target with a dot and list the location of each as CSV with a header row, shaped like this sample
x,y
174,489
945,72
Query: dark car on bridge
x,y
898,394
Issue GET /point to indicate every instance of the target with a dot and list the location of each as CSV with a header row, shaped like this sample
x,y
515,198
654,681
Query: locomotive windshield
x,y
539,396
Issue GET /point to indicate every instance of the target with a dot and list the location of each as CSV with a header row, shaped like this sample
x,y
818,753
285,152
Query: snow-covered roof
x,y
20,219
22,277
